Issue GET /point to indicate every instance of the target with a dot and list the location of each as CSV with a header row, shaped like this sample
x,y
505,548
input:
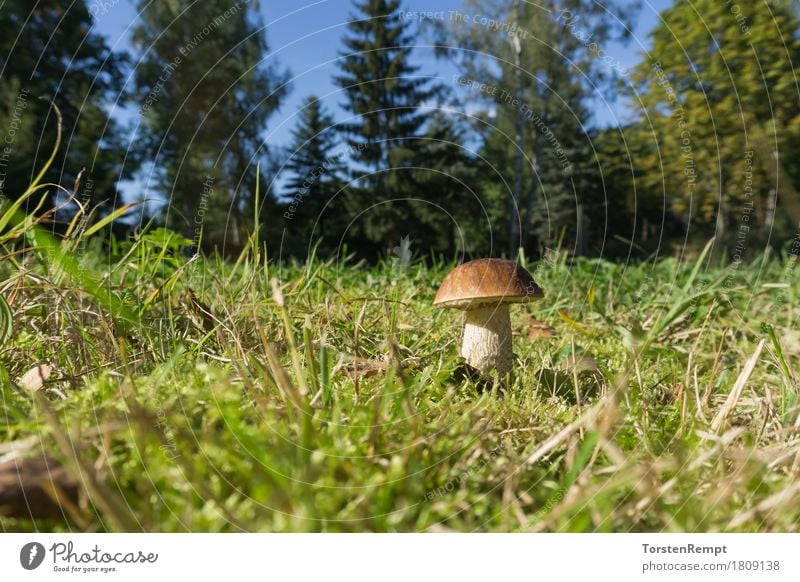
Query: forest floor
x,y
206,396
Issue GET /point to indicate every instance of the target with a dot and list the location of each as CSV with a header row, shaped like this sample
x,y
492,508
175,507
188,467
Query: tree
x,y
638,220
719,103
315,213
205,95
383,92
534,65
51,51
448,189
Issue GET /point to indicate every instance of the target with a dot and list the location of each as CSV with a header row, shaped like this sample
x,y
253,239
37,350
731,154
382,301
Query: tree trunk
x,y
580,235
785,192
514,215
530,203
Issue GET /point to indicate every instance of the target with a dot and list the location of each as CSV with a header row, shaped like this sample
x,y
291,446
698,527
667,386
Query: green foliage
x,y
204,96
450,203
6,322
540,74
315,215
717,100
383,92
51,52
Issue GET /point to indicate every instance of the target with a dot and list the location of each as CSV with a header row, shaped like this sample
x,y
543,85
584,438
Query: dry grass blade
x,y
771,503
554,441
280,376
17,449
736,391
720,446
109,501
66,499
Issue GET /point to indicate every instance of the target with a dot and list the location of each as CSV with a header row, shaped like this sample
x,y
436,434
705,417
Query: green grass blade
x,y
106,220
6,322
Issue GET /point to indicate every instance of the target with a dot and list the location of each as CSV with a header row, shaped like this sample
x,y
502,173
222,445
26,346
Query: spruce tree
x,y
383,92
314,214
447,181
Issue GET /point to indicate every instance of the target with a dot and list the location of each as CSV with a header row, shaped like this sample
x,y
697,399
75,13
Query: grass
x,y
206,396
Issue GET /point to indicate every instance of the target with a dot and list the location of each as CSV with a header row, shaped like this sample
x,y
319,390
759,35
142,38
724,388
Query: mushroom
x,y
484,288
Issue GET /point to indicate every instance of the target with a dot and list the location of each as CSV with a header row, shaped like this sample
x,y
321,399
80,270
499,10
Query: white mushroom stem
x,y
486,344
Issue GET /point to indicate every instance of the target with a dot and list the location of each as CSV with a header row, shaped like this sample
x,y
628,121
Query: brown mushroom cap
x,y
486,282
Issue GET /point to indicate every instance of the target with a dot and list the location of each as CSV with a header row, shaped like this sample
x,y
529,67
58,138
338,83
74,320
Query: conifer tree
x,y
447,178
383,93
315,212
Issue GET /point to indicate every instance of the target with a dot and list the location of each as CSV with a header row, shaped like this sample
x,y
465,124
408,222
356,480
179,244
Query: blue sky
x,y
305,37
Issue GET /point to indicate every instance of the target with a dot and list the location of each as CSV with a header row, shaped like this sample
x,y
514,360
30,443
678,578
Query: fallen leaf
x,y
581,363
35,378
539,329
363,367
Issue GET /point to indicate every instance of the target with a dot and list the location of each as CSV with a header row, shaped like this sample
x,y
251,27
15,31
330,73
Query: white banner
x,y
400,557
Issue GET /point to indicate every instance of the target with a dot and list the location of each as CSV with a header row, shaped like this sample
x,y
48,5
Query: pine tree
x,y
314,214
204,96
383,92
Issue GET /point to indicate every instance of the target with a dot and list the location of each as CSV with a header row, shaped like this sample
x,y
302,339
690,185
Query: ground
x,y
329,396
